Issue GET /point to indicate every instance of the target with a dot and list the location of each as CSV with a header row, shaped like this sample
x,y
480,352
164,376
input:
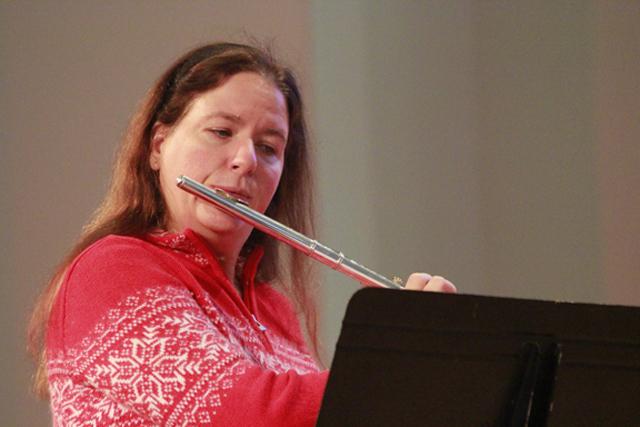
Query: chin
x,y
218,222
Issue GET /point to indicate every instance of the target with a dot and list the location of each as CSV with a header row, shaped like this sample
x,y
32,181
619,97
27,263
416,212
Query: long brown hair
x,y
134,204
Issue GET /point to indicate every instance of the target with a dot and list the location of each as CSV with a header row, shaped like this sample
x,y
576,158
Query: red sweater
x,y
151,332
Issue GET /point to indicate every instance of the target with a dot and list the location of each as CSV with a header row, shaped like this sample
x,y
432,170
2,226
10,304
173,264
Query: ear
x,y
158,136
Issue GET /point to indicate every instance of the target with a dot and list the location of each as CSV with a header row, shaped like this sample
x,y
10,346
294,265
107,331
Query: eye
x,y
221,133
267,149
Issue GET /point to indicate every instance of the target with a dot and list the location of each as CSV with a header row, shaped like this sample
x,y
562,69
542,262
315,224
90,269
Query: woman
x,y
166,311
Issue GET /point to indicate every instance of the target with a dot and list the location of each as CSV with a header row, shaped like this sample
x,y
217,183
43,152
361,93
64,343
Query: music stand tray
x,y
426,359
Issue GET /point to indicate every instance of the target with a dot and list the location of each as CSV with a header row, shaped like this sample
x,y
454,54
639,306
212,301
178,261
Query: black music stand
x,y
426,359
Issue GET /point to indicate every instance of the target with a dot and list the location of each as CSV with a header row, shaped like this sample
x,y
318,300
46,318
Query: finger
x,y
417,281
440,284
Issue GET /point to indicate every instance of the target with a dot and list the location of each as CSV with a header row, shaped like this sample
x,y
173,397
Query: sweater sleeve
x,y
129,344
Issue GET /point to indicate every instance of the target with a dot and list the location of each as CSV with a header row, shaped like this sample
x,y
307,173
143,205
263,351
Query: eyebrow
x,y
222,114
275,132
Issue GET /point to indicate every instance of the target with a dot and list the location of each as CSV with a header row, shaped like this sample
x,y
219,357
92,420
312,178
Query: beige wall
x,y
536,71
396,129
493,142
617,123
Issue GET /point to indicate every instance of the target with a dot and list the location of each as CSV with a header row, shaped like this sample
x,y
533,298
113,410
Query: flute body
x,y
299,241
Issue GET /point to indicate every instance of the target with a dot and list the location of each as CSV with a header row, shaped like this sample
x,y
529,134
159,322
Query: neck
x,y
227,251
228,264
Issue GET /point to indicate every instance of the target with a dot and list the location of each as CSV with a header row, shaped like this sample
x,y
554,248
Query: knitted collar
x,y
191,245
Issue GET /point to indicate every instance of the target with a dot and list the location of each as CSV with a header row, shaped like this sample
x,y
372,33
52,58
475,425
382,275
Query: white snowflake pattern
x,y
159,352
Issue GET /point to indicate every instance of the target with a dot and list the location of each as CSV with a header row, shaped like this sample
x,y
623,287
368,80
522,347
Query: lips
x,y
235,192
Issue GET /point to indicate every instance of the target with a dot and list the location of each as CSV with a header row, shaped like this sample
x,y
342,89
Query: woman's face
x,y
231,137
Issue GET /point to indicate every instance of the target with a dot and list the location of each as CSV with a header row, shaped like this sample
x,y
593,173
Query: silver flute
x,y
299,241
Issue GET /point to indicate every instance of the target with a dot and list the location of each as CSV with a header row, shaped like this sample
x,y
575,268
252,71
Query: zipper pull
x,y
261,327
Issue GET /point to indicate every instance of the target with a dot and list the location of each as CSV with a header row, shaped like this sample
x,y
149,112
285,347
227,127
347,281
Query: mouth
x,y
238,195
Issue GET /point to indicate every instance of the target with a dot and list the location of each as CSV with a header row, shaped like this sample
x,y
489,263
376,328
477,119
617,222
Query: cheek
x,y
174,197
276,180
176,163
194,163
272,180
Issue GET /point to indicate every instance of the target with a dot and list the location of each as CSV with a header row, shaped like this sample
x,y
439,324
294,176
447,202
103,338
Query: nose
x,y
243,159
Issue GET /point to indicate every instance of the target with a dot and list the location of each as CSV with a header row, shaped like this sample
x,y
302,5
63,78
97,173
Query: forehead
x,y
243,94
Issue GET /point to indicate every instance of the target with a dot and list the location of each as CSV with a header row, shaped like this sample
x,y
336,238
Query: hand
x,y
426,282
